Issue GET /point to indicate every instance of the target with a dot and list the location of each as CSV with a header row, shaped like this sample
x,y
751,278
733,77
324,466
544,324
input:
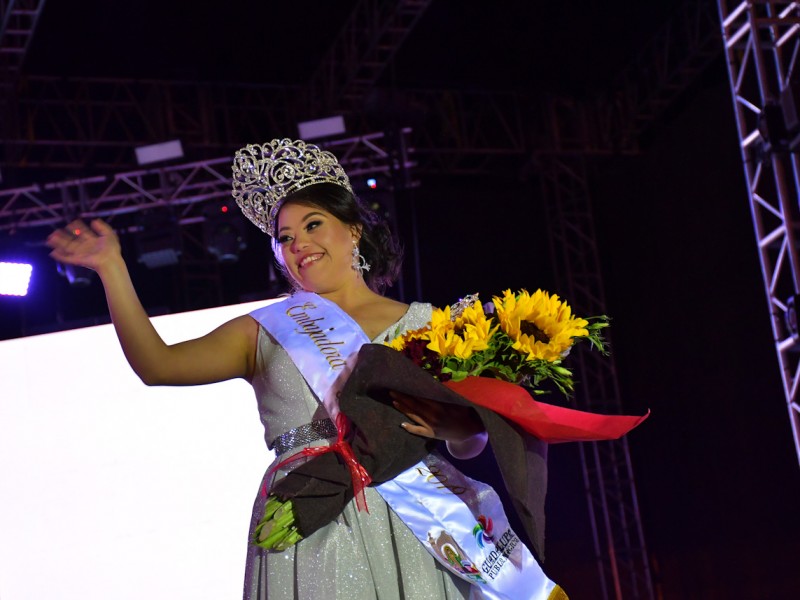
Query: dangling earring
x,y
359,263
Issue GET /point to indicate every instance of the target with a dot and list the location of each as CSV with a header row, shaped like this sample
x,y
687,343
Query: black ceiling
x,y
511,44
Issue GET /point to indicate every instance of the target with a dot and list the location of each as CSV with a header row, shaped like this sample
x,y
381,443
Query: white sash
x,y
460,521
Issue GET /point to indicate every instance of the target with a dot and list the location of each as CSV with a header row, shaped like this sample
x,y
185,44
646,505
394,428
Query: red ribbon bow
x,y
358,473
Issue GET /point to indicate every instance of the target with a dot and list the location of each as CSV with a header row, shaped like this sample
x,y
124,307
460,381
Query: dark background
x,y
715,465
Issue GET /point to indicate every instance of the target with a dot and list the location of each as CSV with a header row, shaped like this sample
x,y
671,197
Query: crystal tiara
x,y
264,175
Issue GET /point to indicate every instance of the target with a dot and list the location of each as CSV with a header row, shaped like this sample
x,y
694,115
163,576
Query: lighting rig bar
x,y
181,187
762,45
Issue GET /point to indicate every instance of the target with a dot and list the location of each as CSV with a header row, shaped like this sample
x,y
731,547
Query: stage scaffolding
x,y
92,125
182,187
619,542
762,45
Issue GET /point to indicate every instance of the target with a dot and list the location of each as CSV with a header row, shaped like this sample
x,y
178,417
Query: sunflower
x,y
473,324
540,325
470,332
452,344
439,326
402,341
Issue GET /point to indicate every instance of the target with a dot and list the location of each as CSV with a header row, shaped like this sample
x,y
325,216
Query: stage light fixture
x,y
15,278
158,242
321,128
224,233
372,183
162,152
76,276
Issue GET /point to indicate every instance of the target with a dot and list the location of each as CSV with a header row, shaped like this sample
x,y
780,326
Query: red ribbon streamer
x,y
551,424
358,473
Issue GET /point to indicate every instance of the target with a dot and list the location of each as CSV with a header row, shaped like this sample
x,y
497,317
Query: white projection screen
x,y
112,489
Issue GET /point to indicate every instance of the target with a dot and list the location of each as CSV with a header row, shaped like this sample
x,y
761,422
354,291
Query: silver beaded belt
x,y
303,435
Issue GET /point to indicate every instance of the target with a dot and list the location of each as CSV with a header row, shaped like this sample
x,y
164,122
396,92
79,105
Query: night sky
x,y
715,465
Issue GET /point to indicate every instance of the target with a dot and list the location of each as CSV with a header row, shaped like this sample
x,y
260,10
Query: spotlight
x,y
76,276
372,183
159,244
15,278
224,233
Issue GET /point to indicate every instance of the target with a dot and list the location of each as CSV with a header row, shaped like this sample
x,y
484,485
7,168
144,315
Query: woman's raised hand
x,y
78,244
225,353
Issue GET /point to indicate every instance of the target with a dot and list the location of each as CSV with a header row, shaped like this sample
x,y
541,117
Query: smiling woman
x,y
316,211
297,353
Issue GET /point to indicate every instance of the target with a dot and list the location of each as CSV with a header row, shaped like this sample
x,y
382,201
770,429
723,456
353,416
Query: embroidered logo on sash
x,y
453,555
483,530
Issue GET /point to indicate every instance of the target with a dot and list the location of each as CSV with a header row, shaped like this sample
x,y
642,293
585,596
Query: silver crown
x,y
264,175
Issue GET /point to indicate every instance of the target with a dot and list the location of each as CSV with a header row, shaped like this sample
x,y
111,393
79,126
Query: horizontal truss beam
x,y
96,123
180,187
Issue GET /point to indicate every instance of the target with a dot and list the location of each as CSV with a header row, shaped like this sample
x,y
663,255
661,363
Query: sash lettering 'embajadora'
x,y
461,522
316,334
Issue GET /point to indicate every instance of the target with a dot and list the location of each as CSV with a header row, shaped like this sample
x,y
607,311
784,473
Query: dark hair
x,y
376,244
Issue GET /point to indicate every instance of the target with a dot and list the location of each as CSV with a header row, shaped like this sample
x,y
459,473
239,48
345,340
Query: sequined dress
x,y
360,556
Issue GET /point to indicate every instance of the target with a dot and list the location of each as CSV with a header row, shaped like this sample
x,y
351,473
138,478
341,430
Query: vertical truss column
x,y
762,43
608,475
18,20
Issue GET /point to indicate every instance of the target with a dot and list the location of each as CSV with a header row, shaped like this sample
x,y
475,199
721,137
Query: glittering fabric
x,y
359,556
303,435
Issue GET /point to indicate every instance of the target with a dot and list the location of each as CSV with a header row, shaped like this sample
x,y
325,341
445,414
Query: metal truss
x,y
762,44
93,124
458,132
179,188
54,123
672,60
364,47
608,474
18,19
57,123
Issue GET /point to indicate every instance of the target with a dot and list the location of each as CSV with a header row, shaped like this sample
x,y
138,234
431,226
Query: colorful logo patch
x,y
483,530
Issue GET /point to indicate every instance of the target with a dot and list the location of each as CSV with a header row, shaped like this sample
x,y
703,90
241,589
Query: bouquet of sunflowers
x,y
523,340
464,356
